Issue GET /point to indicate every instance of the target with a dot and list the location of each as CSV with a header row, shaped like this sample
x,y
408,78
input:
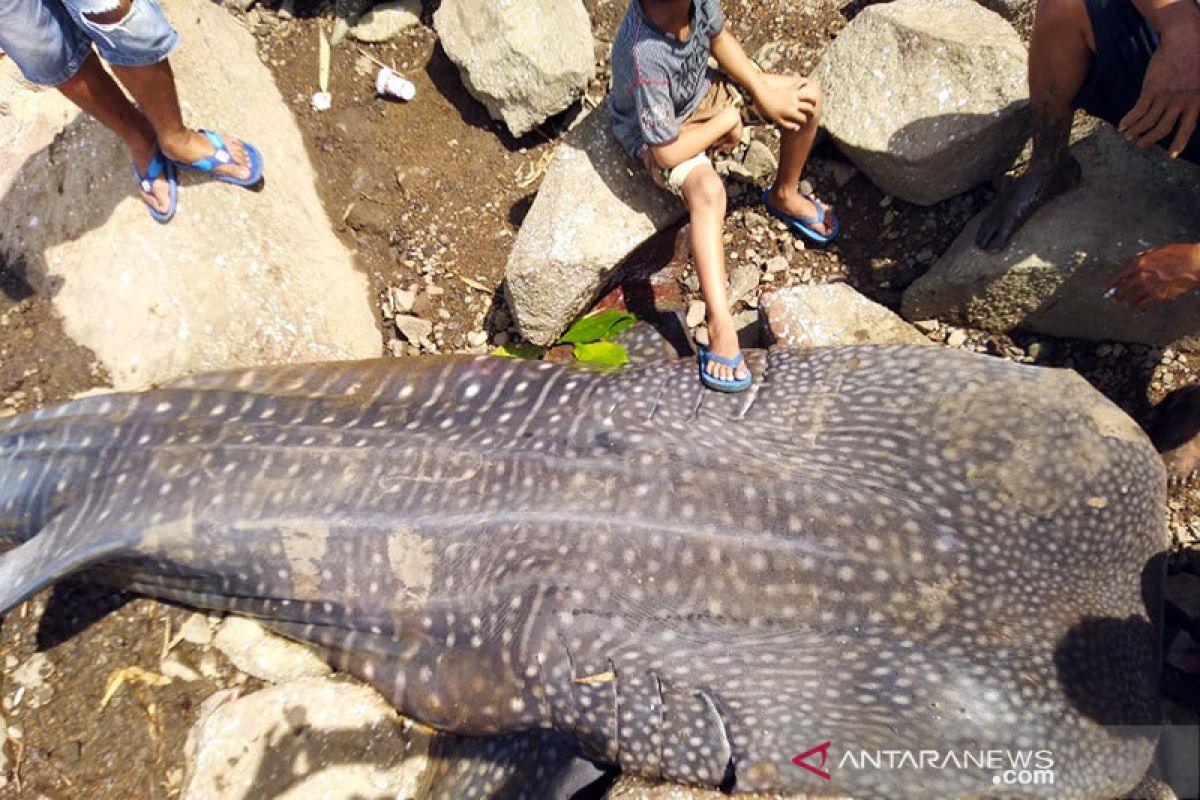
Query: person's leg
x,y
704,193
794,148
1176,433
136,47
1060,56
94,91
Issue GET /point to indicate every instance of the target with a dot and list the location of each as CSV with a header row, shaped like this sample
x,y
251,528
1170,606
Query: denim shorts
x,y
50,39
1125,43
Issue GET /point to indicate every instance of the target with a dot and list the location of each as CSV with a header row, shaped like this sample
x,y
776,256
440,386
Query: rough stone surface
x,y
3,753
315,739
386,20
266,656
831,314
237,278
526,60
1050,278
594,207
927,97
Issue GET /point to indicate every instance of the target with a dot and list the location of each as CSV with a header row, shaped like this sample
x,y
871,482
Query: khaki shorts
x,y
720,95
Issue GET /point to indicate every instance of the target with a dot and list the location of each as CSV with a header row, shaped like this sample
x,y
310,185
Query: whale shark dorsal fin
x,y
663,338
48,557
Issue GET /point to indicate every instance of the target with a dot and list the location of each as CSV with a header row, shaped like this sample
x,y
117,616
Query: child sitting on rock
x,y
667,110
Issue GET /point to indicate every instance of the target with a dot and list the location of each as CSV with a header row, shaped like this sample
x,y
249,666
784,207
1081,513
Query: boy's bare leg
x,y
704,193
794,148
94,91
153,88
1060,56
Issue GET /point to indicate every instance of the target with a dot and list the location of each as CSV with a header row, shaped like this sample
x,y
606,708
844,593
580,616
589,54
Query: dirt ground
x,y
430,194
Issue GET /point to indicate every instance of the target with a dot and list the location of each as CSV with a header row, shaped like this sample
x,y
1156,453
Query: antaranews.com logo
x,y
1008,767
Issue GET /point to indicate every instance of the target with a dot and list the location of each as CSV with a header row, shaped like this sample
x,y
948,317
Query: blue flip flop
x,y
221,157
159,165
805,225
719,384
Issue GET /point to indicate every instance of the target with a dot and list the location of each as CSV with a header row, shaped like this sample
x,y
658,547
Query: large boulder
x,y
1050,278
313,739
927,97
237,278
526,60
831,314
594,207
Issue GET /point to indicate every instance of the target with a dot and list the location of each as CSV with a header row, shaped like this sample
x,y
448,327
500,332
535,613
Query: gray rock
x,y
402,300
386,20
831,314
414,329
927,97
760,162
525,60
779,56
956,338
197,629
153,303
264,655
696,312
311,739
743,280
594,207
777,264
1050,278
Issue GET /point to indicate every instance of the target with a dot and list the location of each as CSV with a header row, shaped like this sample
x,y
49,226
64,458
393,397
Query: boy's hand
x,y
785,101
734,137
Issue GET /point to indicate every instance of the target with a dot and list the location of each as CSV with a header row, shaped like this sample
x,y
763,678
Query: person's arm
x,y
1170,99
780,102
695,139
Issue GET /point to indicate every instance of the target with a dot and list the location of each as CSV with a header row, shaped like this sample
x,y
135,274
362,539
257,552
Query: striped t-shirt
x,y
659,80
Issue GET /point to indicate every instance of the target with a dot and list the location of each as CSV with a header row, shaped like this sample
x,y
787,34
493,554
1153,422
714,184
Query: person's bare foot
x,y
723,341
1022,196
191,146
792,202
159,196
1176,434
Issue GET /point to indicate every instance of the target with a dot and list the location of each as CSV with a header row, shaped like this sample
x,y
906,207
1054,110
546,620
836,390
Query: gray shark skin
x,y
882,547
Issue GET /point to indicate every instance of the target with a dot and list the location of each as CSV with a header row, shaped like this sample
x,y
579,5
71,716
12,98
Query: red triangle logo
x,y
801,760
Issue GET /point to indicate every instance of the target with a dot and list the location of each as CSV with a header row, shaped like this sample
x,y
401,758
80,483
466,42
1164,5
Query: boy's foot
x,y
723,342
795,204
1022,196
195,146
159,197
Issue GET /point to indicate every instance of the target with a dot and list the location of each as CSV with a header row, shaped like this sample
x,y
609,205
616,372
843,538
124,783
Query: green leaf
x,y
602,354
524,350
599,326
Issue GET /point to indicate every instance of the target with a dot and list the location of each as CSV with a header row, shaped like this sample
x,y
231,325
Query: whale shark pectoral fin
x,y
539,765
47,557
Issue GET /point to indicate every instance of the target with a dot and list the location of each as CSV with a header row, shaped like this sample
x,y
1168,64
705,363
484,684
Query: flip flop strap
x,y
819,219
732,363
154,169
220,157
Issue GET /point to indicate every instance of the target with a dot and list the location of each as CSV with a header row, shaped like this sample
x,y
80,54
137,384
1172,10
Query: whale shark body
x,y
876,548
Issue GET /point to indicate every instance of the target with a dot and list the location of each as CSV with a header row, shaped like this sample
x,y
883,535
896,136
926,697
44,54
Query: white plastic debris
x,y
321,101
389,84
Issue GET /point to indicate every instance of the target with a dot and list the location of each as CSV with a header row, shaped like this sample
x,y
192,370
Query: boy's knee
x,y
112,16
704,188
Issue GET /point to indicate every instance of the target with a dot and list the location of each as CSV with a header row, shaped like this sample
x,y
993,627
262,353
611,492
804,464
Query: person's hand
x,y
733,137
784,101
1156,276
1170,99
